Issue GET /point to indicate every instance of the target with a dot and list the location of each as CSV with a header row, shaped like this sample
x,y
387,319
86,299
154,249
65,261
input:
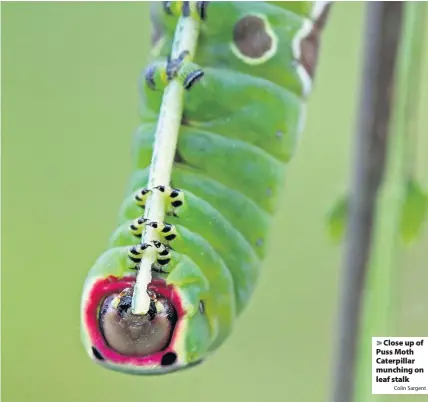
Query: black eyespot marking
x,y
168,359
97,354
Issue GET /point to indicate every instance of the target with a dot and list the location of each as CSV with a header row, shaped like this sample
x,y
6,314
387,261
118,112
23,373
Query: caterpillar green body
x,y
240,127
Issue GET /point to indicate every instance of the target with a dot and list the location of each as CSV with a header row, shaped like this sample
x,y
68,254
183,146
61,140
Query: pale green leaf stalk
x,y
381,290
186,36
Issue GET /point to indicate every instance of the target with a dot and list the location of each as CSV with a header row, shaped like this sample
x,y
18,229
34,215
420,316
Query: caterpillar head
x,y
166,339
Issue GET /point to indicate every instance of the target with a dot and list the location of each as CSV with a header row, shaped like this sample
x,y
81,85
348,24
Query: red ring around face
x,y
104,287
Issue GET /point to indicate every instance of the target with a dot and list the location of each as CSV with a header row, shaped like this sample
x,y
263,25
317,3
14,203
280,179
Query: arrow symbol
x,y
378,343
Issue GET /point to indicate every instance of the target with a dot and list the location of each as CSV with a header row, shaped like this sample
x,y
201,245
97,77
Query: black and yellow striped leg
x,y
141,195
159,74
174,199
163,255
137,226
195,9
135,254
167,231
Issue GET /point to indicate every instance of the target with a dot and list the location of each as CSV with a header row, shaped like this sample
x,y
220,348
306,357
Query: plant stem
x,y
383,28
166,135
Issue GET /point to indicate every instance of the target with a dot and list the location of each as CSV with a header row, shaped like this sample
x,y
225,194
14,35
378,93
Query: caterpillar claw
x,y
141,195
173,66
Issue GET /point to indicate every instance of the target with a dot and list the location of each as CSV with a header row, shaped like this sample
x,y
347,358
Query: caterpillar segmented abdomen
x,y
244,89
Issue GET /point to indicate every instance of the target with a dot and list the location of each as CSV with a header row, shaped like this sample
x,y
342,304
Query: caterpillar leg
x,y
137,226
173,66
135,253
187,73
158,75
196,9
174,199
141,197
167,231
163,253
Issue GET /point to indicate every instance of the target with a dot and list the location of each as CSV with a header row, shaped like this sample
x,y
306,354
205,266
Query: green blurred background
x,y
69,94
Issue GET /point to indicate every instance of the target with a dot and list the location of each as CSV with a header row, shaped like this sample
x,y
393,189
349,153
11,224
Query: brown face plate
x,y
137,335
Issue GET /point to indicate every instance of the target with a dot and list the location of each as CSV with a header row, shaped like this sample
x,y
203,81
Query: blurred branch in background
x,y
366,247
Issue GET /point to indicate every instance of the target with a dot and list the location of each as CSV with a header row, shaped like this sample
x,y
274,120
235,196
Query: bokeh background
x,y
69,97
